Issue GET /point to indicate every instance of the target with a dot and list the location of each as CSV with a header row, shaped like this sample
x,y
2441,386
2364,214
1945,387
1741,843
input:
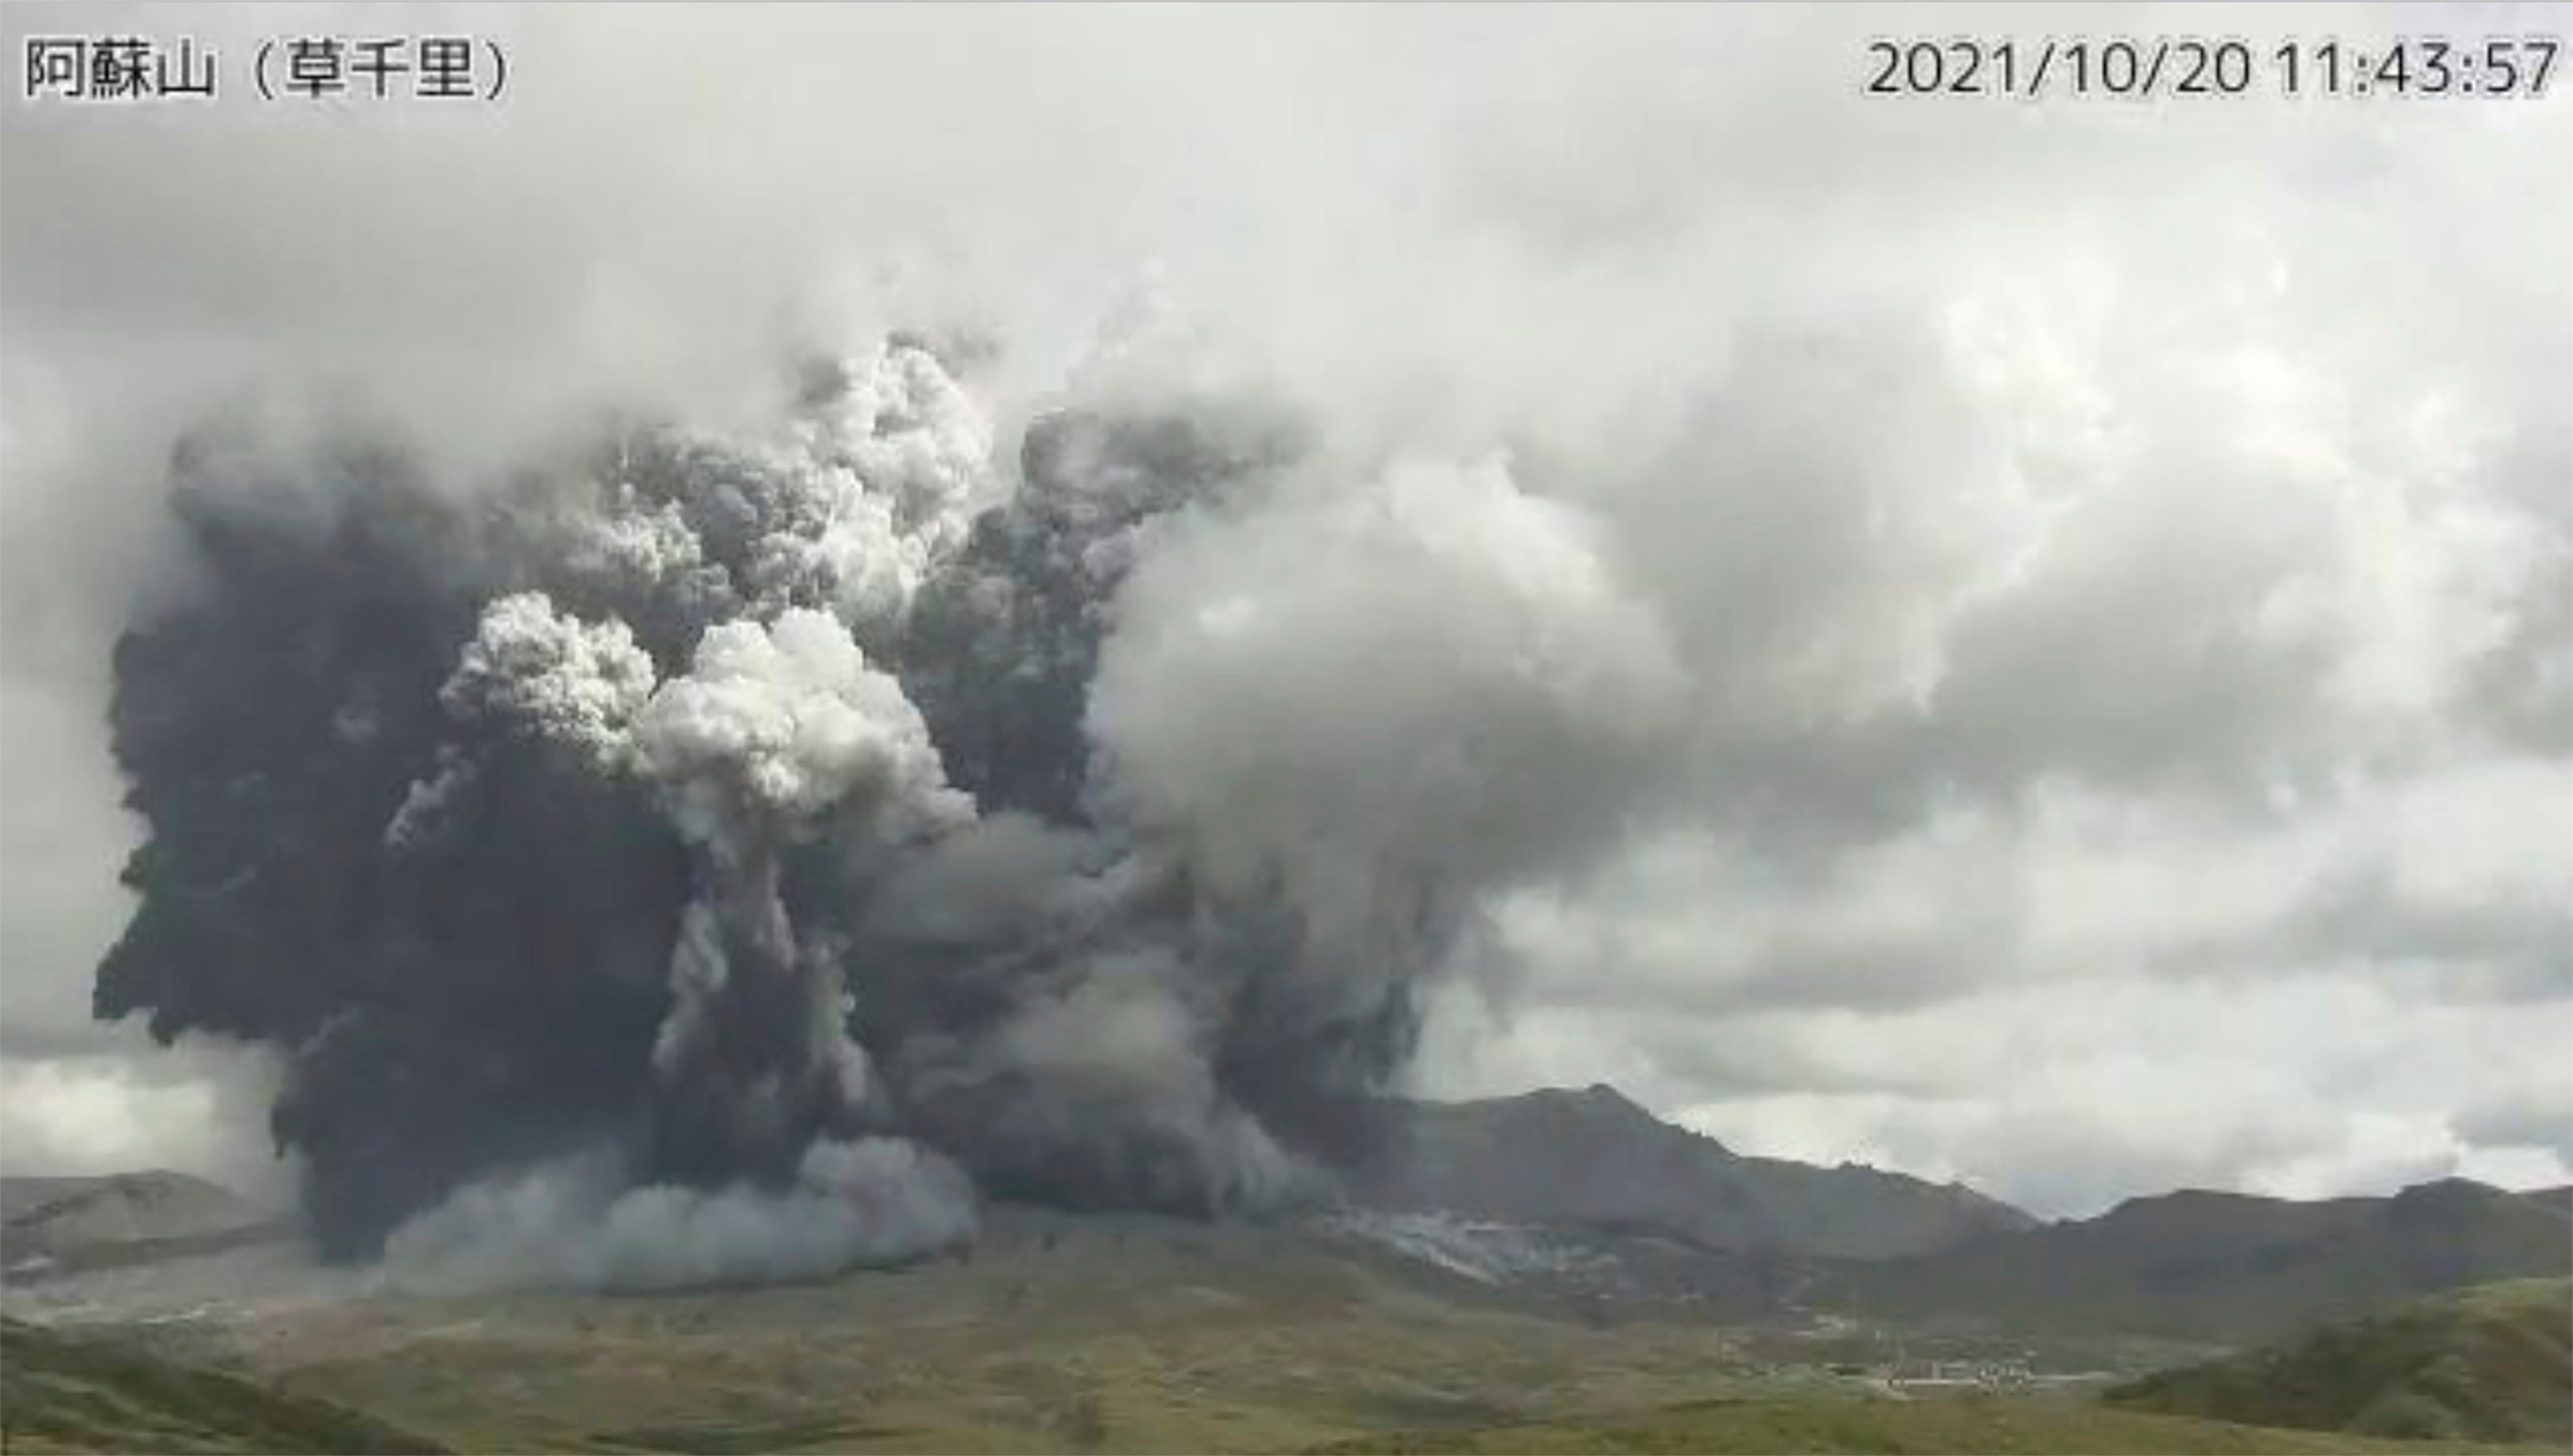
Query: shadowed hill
x,y
2225,1267
1595,1158
2492,1363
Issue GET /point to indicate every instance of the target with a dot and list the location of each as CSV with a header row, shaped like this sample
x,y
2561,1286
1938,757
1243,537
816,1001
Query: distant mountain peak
x,y
2447,1190
1594,1156
2141,1205
1598,1094
1599,1100
1602,1093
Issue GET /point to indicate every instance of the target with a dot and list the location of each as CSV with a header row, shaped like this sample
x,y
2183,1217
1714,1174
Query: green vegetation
x,y
59,1393
1976,1423
2491,1364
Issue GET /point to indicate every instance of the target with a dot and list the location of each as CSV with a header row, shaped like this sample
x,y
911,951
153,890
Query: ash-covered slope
x,y
2225,1267
1594,1158
151,1204
51,1225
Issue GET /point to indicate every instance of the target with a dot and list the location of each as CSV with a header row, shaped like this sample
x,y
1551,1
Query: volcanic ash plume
x,y
725,859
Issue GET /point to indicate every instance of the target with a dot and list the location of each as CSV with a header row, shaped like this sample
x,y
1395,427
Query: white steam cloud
x,y
873,1201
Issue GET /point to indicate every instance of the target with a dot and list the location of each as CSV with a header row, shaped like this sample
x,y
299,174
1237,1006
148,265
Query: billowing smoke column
x,y
721,859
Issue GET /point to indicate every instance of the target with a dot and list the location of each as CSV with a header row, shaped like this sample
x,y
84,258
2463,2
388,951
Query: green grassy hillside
x,y
59,1393
2489,1363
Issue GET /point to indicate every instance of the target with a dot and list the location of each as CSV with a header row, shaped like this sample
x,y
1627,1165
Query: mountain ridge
x,y
1595,1158
2223,1266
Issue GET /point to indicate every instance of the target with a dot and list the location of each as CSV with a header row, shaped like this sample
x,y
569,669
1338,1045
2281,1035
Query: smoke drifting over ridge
x,y
758,843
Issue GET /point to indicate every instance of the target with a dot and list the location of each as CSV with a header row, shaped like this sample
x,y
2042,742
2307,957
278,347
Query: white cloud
x,y
121,1111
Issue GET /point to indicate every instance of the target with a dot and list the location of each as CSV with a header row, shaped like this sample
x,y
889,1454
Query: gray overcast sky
x,y
2119,557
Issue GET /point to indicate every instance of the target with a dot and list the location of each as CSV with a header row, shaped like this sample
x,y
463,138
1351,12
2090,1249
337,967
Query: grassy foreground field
x,y
1069,1335
70,1394
1856,1424
67,1394
61,1393
1061,1336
